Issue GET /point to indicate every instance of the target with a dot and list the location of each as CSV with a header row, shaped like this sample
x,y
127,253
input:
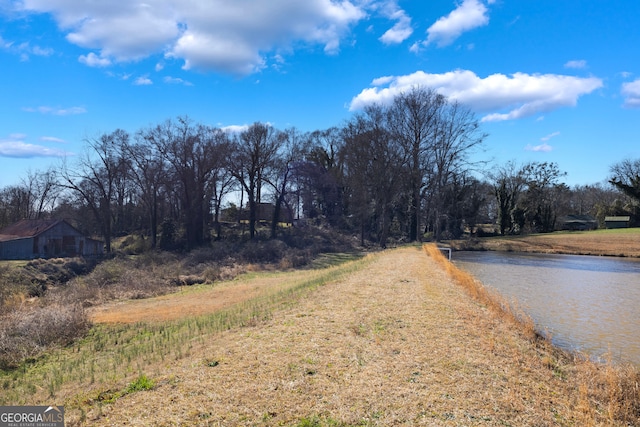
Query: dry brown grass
x,y
199,300
396,343
610,392
508,311
621,242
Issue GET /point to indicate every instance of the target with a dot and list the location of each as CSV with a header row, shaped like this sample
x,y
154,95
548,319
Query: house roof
x,y
27,228
617,218
579,218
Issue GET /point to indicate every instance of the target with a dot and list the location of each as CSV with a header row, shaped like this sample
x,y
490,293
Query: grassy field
x,y
619,242
396,338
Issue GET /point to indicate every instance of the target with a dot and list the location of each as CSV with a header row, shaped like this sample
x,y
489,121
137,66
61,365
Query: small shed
x,y
45,238
617,221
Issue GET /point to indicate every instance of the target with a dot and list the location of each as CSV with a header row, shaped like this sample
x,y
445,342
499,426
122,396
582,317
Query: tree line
x,y
401,171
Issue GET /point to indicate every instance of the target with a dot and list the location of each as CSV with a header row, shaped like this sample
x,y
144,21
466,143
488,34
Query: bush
x,y
27,332
134,245
269,252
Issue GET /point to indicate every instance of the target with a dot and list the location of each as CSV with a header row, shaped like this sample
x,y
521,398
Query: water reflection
x,y
589,304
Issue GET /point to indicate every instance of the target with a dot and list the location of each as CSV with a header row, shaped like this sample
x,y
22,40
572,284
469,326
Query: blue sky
x,y
550,80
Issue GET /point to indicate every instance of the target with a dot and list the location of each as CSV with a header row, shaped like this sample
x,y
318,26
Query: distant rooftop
x,y
26,228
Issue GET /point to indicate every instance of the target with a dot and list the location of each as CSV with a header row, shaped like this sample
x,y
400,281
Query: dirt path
x,y
397,344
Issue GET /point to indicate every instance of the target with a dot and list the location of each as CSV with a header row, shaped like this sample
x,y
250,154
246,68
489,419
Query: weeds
x,y
26,332
605,390
112,353
499,305
140,384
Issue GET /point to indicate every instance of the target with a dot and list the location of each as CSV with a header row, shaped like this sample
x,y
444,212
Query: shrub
x,y
27,332
270,251
134,245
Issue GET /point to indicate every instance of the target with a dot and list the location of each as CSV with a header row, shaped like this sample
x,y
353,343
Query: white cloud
x,y
25,50
576,63
631,92
14,146
52,139
177,81
544,148
217,35
41,51
502,97
402,28
469,14
93,60
235,128
548,137
142,81
56,111
5,44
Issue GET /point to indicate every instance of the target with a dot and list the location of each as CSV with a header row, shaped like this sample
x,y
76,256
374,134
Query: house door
x,y
69,245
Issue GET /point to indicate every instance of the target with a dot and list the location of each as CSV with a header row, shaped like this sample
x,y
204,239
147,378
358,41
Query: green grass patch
x,y
141,383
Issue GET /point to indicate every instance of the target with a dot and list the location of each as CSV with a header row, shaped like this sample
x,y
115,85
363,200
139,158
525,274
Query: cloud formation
x,y
548,137
52,139
93,60
402,29
25,49
576,63
501,96
631,93
14,146
143,81
56,111
176,81
469,14
542,148
220,35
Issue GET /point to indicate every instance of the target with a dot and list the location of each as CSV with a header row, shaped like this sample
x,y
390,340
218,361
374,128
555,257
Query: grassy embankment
x,y
129,338
620,242
392,339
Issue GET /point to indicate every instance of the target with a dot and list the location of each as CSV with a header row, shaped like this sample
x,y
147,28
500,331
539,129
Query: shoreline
x,y
613,243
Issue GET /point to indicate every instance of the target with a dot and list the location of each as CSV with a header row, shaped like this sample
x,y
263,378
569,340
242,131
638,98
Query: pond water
x,y
584,303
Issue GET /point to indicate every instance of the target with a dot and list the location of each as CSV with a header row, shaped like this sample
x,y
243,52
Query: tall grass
x,y
608,393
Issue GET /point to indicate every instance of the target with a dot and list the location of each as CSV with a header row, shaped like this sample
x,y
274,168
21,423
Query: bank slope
x,y
398,343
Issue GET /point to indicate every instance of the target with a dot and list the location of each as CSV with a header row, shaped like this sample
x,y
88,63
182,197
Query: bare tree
x,y
413,120
221,181
320,174
508,182
15,204
43,187
148,174
457,134
95,178
291,150
625,175
192,154
541,198
254,152
374,161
